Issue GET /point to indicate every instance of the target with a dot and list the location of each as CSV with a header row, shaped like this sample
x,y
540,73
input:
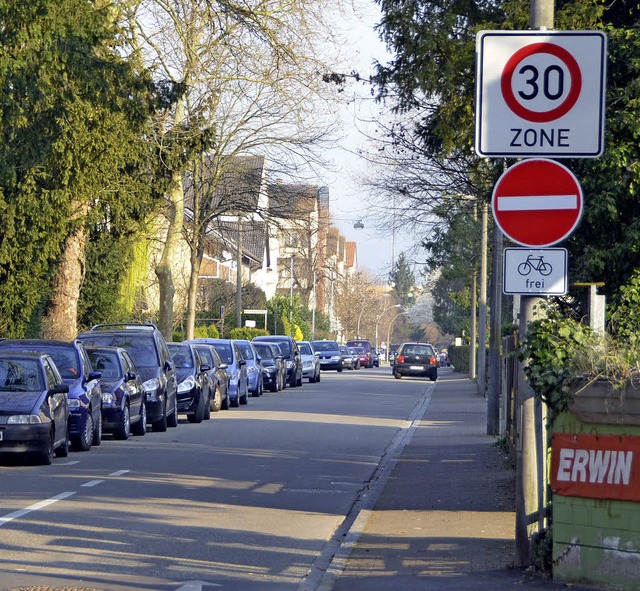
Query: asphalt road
x,y
258,498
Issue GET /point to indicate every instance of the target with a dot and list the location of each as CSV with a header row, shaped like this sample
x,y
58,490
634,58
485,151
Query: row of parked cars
x,y
123,378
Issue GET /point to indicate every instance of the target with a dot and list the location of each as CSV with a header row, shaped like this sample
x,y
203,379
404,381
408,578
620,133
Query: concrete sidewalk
x,y
445,520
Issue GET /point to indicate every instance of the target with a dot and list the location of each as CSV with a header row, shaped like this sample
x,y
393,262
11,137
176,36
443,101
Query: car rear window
x,y
425,350
106,362
366,345
246,350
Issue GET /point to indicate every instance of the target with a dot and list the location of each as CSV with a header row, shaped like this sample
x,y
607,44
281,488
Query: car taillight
x,y
432,360
400,358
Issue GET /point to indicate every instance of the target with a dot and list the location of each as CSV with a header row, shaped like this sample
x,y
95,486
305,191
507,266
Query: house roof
x,y
351,254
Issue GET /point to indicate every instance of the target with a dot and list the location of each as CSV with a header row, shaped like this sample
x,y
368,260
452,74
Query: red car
x,y
362,354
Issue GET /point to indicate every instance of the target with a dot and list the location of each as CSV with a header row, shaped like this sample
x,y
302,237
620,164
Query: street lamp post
x,y
358,327
393,321
380,316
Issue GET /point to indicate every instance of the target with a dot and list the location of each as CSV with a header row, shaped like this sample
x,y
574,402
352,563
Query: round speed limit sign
x,y
540,94
541,82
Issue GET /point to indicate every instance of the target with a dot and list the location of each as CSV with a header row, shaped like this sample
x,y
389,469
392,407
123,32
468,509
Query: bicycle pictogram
x,y
535,264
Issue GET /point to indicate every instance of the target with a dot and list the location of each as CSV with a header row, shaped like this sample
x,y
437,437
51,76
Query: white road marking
x,y
119,473
92,483
31,508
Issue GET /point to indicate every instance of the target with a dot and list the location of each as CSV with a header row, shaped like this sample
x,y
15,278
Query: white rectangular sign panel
x,y
541,271
540,93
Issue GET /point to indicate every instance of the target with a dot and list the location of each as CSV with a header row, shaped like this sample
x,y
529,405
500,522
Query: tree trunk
x,y
192,295
164,270
61,318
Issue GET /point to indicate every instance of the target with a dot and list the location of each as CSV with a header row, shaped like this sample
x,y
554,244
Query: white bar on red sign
x,y
537,202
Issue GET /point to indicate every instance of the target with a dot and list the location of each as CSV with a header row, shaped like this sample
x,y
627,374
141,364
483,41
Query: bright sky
x,y
349,200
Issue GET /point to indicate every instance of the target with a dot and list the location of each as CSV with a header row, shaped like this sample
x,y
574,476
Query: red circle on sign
x,y
541,116
537,202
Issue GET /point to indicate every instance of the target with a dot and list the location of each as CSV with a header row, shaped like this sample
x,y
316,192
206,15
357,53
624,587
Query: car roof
x,y
23,354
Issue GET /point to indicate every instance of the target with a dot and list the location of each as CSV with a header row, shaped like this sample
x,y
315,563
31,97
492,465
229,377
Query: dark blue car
x,y
194,394
85,395
124,408
34,409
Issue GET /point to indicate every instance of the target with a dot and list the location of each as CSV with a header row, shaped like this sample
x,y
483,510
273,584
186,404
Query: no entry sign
x,y
540,94
537,202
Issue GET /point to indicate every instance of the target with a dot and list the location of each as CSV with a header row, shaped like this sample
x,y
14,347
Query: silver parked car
x,y
310,362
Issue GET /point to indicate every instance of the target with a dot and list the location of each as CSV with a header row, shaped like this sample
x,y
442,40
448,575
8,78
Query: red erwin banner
x,y
596,466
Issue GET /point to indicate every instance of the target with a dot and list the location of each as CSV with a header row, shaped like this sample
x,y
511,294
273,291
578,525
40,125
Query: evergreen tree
x,y
402,280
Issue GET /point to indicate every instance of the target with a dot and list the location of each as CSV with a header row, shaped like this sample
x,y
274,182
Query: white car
x,y
310,362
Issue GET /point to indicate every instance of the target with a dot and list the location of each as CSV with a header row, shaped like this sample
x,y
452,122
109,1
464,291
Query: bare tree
x,y
251,82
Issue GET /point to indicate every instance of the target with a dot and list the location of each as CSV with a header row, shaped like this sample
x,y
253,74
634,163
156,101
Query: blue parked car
x,y
236,368
34,408
124,407
85,394
194,393
254,367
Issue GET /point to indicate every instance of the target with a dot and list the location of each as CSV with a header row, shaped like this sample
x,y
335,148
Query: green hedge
x,y
459,357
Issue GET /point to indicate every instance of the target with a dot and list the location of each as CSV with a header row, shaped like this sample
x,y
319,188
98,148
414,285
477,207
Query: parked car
x,y
347,357
236,368
310,361
254,367
124,409
375,357
293,361
148,349
273,369
34,406
218,376
363,358
329,353
194,395
366,345
85,394
415,359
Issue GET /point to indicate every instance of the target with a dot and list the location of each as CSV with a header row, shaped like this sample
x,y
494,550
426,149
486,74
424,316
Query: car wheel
x,y
140,428
46,457
244,399
397,375
198,415
339,370
256,393
62,451
97,431
216,401
172,419
83,441
124,428
207,408
318,376
160,425
433,377
226,402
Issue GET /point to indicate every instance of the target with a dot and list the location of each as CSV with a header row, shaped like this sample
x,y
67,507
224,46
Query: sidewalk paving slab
x,y
445,520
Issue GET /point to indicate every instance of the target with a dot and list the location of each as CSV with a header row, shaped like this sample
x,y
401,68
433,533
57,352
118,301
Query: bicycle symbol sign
x,y
535,264
541,271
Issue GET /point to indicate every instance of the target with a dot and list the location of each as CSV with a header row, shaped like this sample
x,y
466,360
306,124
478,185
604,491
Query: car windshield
x,y
106,362
417,350
181,354
265,351
224,350
359,350
206,356
66,360
362,344
141,347
21,375
247,351
305,349
325,346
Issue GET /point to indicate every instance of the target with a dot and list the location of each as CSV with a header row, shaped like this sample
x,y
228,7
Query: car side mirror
x,y
94,375
131,375
168,365
259,359
242,362
204,367
59,389
223,366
